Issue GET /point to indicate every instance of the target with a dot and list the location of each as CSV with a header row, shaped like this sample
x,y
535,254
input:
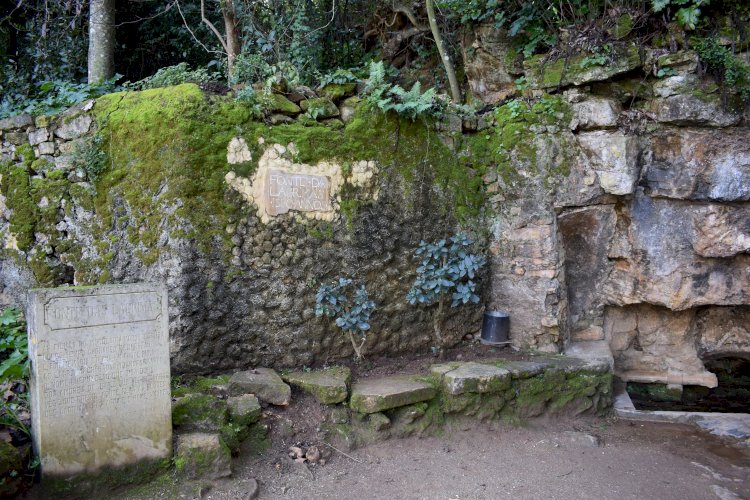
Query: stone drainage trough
x,y
731,425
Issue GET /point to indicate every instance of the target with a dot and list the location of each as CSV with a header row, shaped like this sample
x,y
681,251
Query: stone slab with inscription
x,y
287,191
100,392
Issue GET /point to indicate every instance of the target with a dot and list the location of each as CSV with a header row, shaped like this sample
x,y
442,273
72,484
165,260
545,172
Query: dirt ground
x,y
580,459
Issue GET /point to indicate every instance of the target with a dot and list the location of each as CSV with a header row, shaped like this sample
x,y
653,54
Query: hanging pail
x,y
495,328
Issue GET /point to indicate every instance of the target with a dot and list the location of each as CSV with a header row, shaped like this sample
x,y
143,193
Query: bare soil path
x,y
579,459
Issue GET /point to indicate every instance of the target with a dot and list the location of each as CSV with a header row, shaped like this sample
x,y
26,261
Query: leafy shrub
x,y
53,97
339,77
251,68
352,314
688,11
14,347
447,269
731,73
174,75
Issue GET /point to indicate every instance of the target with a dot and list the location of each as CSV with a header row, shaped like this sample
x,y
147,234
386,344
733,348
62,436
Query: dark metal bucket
x,y
495,328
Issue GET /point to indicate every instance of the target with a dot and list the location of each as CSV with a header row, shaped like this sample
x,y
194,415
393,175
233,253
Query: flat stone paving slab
x,y
328,386
471,377
265,383
372,396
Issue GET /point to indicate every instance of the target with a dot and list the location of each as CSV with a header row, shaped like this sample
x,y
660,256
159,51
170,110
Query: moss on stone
x,y
199,411
277,103
102,483
336,91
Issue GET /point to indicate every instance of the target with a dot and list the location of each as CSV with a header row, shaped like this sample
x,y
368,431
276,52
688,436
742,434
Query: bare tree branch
x,y
212,27
177,3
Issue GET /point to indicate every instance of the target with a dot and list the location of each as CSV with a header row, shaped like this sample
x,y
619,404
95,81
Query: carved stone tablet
x,y
287,191
100,392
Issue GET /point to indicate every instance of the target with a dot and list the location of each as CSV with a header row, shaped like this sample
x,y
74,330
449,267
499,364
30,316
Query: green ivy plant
x,y
730,72
174,75
14,347
687,14
352,313
447,270
51,97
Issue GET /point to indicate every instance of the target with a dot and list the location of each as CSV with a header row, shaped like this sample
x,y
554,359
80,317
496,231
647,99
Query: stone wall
x,y
183,197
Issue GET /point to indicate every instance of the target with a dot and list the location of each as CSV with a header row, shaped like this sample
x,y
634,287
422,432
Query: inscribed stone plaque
x,y
287,191
100,393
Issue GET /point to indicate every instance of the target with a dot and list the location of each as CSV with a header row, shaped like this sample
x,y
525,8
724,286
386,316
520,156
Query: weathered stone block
x,y
336,91
565,71
244,410
18,121
74,128
471,377
47,148
614,158
265,383
595,113
201,455
721,230
698,164
99,377
329,386
277,103
16,138
372,396
199,412
686,109
38,136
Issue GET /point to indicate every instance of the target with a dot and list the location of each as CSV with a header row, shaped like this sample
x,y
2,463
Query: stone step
x,y
328,386
372,396
460,378
265,383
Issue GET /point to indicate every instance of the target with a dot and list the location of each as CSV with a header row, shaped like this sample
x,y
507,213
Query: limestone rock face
x,y
721,230
486,52
698,164
576,71
685,109
614,158
660,266
723,330
655,344
595,113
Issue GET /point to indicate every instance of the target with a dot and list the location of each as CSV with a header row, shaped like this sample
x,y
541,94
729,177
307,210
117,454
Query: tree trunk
x,y
232,34
101,63
437,326
444,56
